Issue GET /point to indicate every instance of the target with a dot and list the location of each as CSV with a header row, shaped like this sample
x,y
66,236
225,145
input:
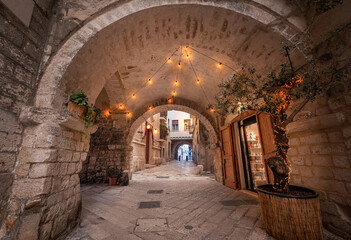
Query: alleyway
x,y
191,207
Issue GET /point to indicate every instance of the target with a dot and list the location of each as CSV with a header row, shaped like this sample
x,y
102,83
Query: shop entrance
x,y
254,169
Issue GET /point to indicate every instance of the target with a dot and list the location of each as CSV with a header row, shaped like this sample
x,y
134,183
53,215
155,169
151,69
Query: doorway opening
x,y
185,153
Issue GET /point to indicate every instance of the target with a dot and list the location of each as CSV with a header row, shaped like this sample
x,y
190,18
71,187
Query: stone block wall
x,y
21,49
138,160
202,152
108,149
320,139
45,198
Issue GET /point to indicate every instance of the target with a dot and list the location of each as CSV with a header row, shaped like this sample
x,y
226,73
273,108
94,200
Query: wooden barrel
x,y
289,217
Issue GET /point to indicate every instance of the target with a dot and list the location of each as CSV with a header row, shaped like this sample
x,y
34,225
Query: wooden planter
x,y
79,110
291,217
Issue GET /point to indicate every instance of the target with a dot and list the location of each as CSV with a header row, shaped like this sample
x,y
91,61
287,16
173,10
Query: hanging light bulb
x,y
121,106
212,109
149,81
169,60
128,114
134,96
176,82
155,131
179,65
149,108
219,64
169,100
107,112
198,81
173,93
148,126
187,56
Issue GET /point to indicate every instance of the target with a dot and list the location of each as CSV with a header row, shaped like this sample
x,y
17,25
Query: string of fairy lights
x,y
176,83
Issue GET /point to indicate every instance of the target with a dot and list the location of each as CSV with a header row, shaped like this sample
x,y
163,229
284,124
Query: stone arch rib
x,y
180,105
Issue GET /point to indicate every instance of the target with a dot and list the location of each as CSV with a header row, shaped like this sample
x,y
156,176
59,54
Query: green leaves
x,y
80,98
93,112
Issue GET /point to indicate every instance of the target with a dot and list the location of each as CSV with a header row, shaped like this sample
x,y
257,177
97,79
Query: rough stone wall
x,y
45,197
108,148
202,146
320,139
21,49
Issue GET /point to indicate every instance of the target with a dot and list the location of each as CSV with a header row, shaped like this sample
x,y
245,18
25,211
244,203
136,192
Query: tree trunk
x,y
279,164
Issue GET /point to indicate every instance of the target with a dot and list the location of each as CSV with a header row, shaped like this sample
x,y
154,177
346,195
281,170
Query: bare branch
x,y
290,62
296,111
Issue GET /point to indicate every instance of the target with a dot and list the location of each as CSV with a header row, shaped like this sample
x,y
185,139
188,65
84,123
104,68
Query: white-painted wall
x,y
180,116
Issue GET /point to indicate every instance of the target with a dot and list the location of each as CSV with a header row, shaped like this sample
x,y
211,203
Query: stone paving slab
x,y
191,206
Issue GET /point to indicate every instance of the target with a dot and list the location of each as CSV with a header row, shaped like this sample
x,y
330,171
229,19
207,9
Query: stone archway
x,y
208,120
46,192
178,143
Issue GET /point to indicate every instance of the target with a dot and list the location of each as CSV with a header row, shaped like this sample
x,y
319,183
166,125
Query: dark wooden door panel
x,y
228,157
267,140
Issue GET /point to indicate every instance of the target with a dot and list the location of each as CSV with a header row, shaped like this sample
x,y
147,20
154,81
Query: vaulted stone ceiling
x,y
122,57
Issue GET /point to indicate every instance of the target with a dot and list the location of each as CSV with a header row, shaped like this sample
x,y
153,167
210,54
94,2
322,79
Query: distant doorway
x,y
185,153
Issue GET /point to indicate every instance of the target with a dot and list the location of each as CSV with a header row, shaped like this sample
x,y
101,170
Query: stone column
x,y
45,201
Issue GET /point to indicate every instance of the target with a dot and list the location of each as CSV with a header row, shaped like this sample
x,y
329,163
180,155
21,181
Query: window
x,y
175,125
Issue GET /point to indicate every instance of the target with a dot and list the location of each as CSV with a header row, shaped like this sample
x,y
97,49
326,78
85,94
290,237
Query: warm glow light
x,y
187,56
149,81
107,112
155,131
198,81
128,114
176,83
179,65
169,100
219,65
121,106
133,96
148,126
149,108
212,109
173,93
169,60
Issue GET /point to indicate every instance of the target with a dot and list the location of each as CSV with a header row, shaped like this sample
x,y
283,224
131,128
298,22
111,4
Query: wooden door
x,y
265,124
235,159
228,157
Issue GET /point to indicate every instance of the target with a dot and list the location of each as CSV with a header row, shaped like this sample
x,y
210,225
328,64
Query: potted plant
x,y
289,212
114,175
78,103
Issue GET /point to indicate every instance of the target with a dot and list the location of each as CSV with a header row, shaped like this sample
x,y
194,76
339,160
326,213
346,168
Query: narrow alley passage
x,y
169,202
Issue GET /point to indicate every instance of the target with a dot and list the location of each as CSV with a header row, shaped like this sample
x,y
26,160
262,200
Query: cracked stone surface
x,y
191,208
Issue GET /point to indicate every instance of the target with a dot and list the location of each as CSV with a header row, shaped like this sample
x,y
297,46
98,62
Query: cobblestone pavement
x,y
191,207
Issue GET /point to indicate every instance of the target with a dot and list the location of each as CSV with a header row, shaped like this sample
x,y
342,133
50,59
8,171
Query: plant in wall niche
x,y
80,98
78,103
282,94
